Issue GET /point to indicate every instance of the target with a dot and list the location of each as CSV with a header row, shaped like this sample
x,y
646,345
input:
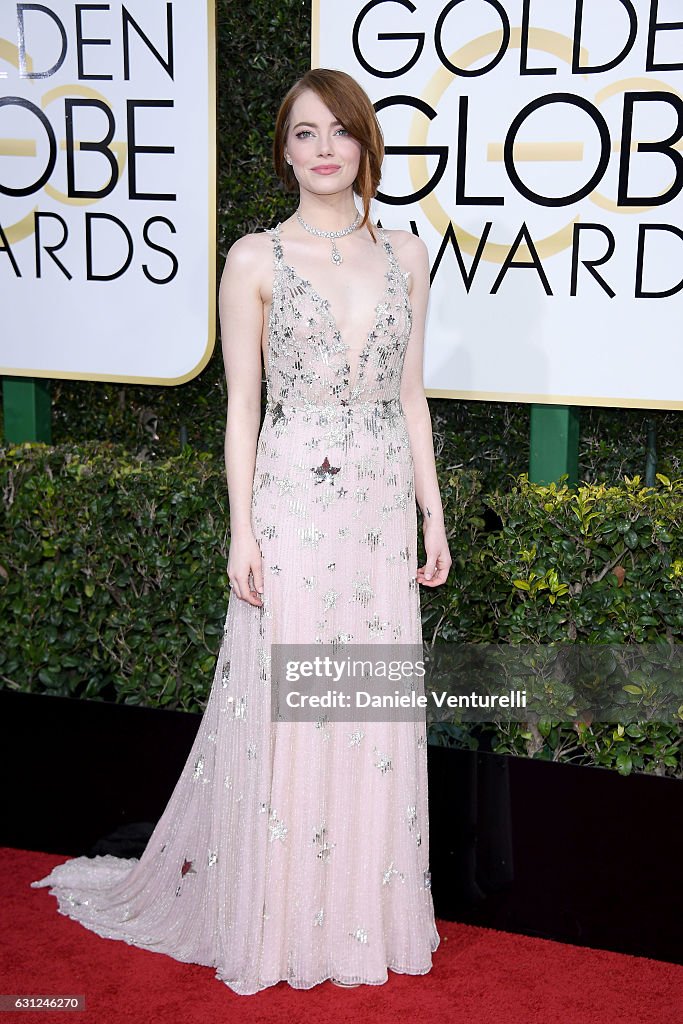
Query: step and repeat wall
x,y
536,148
107,189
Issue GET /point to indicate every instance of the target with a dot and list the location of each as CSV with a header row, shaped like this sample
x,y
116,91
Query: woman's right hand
x,y
245,570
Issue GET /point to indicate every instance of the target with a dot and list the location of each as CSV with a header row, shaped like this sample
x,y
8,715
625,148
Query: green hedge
x,y
113,584
111,574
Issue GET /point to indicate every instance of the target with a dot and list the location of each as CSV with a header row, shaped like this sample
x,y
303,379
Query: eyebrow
x,y
311,124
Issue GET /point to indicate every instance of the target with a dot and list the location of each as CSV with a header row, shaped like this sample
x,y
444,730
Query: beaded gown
x,y
299,851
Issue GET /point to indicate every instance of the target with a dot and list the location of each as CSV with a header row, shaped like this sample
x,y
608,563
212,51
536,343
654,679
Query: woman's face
x,y
323,156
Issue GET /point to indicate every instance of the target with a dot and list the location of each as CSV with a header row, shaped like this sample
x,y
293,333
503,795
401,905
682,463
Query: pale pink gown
x,y
299,851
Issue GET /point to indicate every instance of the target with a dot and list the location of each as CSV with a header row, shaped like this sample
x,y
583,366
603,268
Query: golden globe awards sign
x,y
536,148
107,189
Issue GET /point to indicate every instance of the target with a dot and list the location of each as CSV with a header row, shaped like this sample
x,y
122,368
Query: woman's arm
x,y
241,315
415,258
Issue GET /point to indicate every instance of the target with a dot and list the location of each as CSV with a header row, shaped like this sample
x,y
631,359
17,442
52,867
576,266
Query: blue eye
x,y
304,131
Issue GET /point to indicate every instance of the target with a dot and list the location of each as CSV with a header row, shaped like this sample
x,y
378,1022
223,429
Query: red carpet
x,y
480,976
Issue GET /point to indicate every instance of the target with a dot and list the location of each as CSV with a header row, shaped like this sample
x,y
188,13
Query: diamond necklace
x,y
336,255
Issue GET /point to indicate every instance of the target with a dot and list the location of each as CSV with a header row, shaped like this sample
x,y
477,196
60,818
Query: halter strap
x,y
393,260
278,254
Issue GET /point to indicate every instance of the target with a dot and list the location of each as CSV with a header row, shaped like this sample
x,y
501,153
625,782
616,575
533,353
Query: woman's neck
x,y
328,213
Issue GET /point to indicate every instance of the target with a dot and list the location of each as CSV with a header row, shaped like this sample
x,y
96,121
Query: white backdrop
x,y
155,230
529,335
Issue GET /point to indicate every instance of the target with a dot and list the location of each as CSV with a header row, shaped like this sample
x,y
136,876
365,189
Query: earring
x,y
288,159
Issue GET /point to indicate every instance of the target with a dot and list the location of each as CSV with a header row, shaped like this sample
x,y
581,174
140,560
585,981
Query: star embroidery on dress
x,y
376,626
278,829
320,837
187,868
286,485
325,471
390,871
277,412
384,763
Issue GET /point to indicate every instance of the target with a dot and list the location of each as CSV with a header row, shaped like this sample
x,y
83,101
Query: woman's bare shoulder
x,y
250,251
249,260
411,252
409,246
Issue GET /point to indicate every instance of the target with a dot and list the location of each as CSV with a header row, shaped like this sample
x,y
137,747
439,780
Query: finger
x,y
248,591
257,576
434,581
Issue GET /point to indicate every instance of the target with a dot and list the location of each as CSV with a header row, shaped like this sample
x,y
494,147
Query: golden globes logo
x,y
70,124
638,94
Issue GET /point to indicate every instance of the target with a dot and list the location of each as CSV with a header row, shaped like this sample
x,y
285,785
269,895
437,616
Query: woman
x,y
293,849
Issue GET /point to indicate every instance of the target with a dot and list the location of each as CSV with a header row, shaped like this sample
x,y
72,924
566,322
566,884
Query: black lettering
x,y
520,118
7,248
128,19
665,147
440,151
90,274
50,249
81,41
134,149
524,47
417,36
643,229
472,72
450,238
522,264
159,248
585,69
653,28
590,265
21,32
460,197
101,146
19,101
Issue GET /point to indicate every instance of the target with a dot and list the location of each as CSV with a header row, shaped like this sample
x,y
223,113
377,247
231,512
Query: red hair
x,y
351,105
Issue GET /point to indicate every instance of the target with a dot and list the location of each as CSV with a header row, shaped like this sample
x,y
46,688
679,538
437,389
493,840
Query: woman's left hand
x,y
435,570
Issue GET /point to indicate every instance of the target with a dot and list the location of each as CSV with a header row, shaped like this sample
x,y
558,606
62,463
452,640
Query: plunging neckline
x,y
327,305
